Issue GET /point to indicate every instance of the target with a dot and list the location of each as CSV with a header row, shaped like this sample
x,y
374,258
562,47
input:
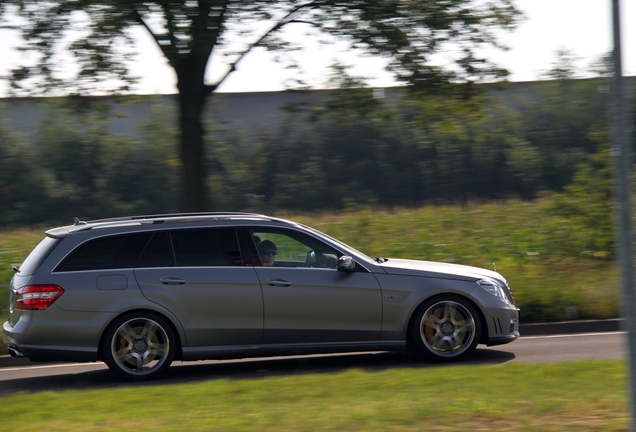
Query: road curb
x,y
571,327
6,361
542,329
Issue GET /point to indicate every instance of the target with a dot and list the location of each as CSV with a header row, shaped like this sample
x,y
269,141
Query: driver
x,y
267,250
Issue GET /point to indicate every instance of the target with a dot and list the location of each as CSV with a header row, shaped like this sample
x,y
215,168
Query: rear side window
x,y
159,252
115,252
38,255
206,247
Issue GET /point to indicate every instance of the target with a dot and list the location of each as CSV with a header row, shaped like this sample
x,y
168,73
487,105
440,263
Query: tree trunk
x,y
193,94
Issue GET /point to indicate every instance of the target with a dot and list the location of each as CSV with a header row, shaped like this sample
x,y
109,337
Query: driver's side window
x,y
283,248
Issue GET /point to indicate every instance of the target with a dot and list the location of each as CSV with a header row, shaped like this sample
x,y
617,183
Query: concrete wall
x,y
247,111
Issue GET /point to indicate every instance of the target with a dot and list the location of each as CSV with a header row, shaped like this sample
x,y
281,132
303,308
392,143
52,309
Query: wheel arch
x,y
132,312
445,295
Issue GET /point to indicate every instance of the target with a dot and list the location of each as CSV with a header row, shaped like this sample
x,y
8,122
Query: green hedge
x,y
539,252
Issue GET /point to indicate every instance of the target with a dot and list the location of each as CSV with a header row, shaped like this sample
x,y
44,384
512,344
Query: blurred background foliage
x,y
77,166
458,176
452,147
532,246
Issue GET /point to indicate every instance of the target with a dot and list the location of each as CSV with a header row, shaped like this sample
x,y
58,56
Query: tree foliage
x,y
566,122
20,184
78,167
350,149
585,204
408,33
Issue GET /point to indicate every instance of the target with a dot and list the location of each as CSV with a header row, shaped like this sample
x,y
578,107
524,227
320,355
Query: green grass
x,y
15,245
572,396
542,256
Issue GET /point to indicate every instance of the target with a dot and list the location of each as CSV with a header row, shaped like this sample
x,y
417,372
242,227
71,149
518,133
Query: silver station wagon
x,y
140,292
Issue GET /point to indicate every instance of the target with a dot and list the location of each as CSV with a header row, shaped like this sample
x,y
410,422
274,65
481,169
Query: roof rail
x,y
172,215
79,225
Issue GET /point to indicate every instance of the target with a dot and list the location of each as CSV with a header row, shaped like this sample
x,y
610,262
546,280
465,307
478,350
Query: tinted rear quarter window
x,y
38,255
159,252
120,251
206,247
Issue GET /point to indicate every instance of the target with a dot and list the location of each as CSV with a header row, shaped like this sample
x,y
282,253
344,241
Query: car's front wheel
x,y
445,328
139,346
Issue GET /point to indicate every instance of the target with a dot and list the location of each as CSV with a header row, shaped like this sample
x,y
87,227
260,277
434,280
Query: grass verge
x,y
571,396
539,254
546,259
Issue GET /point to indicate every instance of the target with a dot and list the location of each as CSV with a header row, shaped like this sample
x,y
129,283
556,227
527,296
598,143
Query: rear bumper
x,y
44,352
14,351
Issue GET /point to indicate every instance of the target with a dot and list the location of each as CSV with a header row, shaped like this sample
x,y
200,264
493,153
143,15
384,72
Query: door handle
x,y
166,280
278,282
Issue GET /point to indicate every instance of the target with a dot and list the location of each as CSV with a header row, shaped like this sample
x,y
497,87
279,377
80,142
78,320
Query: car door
x,y
306,299
201,277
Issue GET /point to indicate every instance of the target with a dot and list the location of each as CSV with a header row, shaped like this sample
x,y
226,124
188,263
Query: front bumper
x,y
503,326
501,340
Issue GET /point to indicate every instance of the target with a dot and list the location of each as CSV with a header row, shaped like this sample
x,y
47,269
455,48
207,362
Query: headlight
x,y
493,289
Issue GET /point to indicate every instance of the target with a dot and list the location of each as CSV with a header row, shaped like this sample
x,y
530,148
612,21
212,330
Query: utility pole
x,y
622,160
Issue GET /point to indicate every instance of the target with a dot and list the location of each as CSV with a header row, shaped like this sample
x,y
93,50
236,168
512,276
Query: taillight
x,y
36,297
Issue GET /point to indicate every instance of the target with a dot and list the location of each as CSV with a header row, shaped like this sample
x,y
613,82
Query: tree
x,y
560,123
408,33
21,187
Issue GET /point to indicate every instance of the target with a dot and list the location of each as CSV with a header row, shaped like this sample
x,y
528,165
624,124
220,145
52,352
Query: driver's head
x,y
267,250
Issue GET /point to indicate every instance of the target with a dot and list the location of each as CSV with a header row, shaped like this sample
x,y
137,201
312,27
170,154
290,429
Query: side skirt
x,y
248,351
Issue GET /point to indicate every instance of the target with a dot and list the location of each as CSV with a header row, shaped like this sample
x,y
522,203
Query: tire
x,y
139,346
445,328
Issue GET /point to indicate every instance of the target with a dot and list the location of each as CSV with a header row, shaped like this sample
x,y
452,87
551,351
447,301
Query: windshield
x,y
341,244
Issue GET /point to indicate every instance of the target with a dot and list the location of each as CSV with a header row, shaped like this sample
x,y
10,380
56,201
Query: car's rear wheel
x,y
139,346
445,328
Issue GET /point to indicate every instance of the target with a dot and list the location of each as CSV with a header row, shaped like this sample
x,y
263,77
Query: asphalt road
x,y
34,377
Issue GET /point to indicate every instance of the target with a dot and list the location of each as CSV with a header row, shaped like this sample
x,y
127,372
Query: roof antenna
x,y
494,266
78,222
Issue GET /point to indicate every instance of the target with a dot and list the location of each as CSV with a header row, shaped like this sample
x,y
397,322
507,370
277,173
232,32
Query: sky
x,y
583,27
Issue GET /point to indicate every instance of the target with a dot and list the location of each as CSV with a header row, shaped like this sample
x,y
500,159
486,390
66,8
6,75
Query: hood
x,y
437,269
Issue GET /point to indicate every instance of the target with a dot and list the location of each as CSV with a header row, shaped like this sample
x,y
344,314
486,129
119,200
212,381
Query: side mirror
x,y
346,264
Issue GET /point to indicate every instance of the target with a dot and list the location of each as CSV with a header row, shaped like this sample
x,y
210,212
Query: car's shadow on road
x,y
187,372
